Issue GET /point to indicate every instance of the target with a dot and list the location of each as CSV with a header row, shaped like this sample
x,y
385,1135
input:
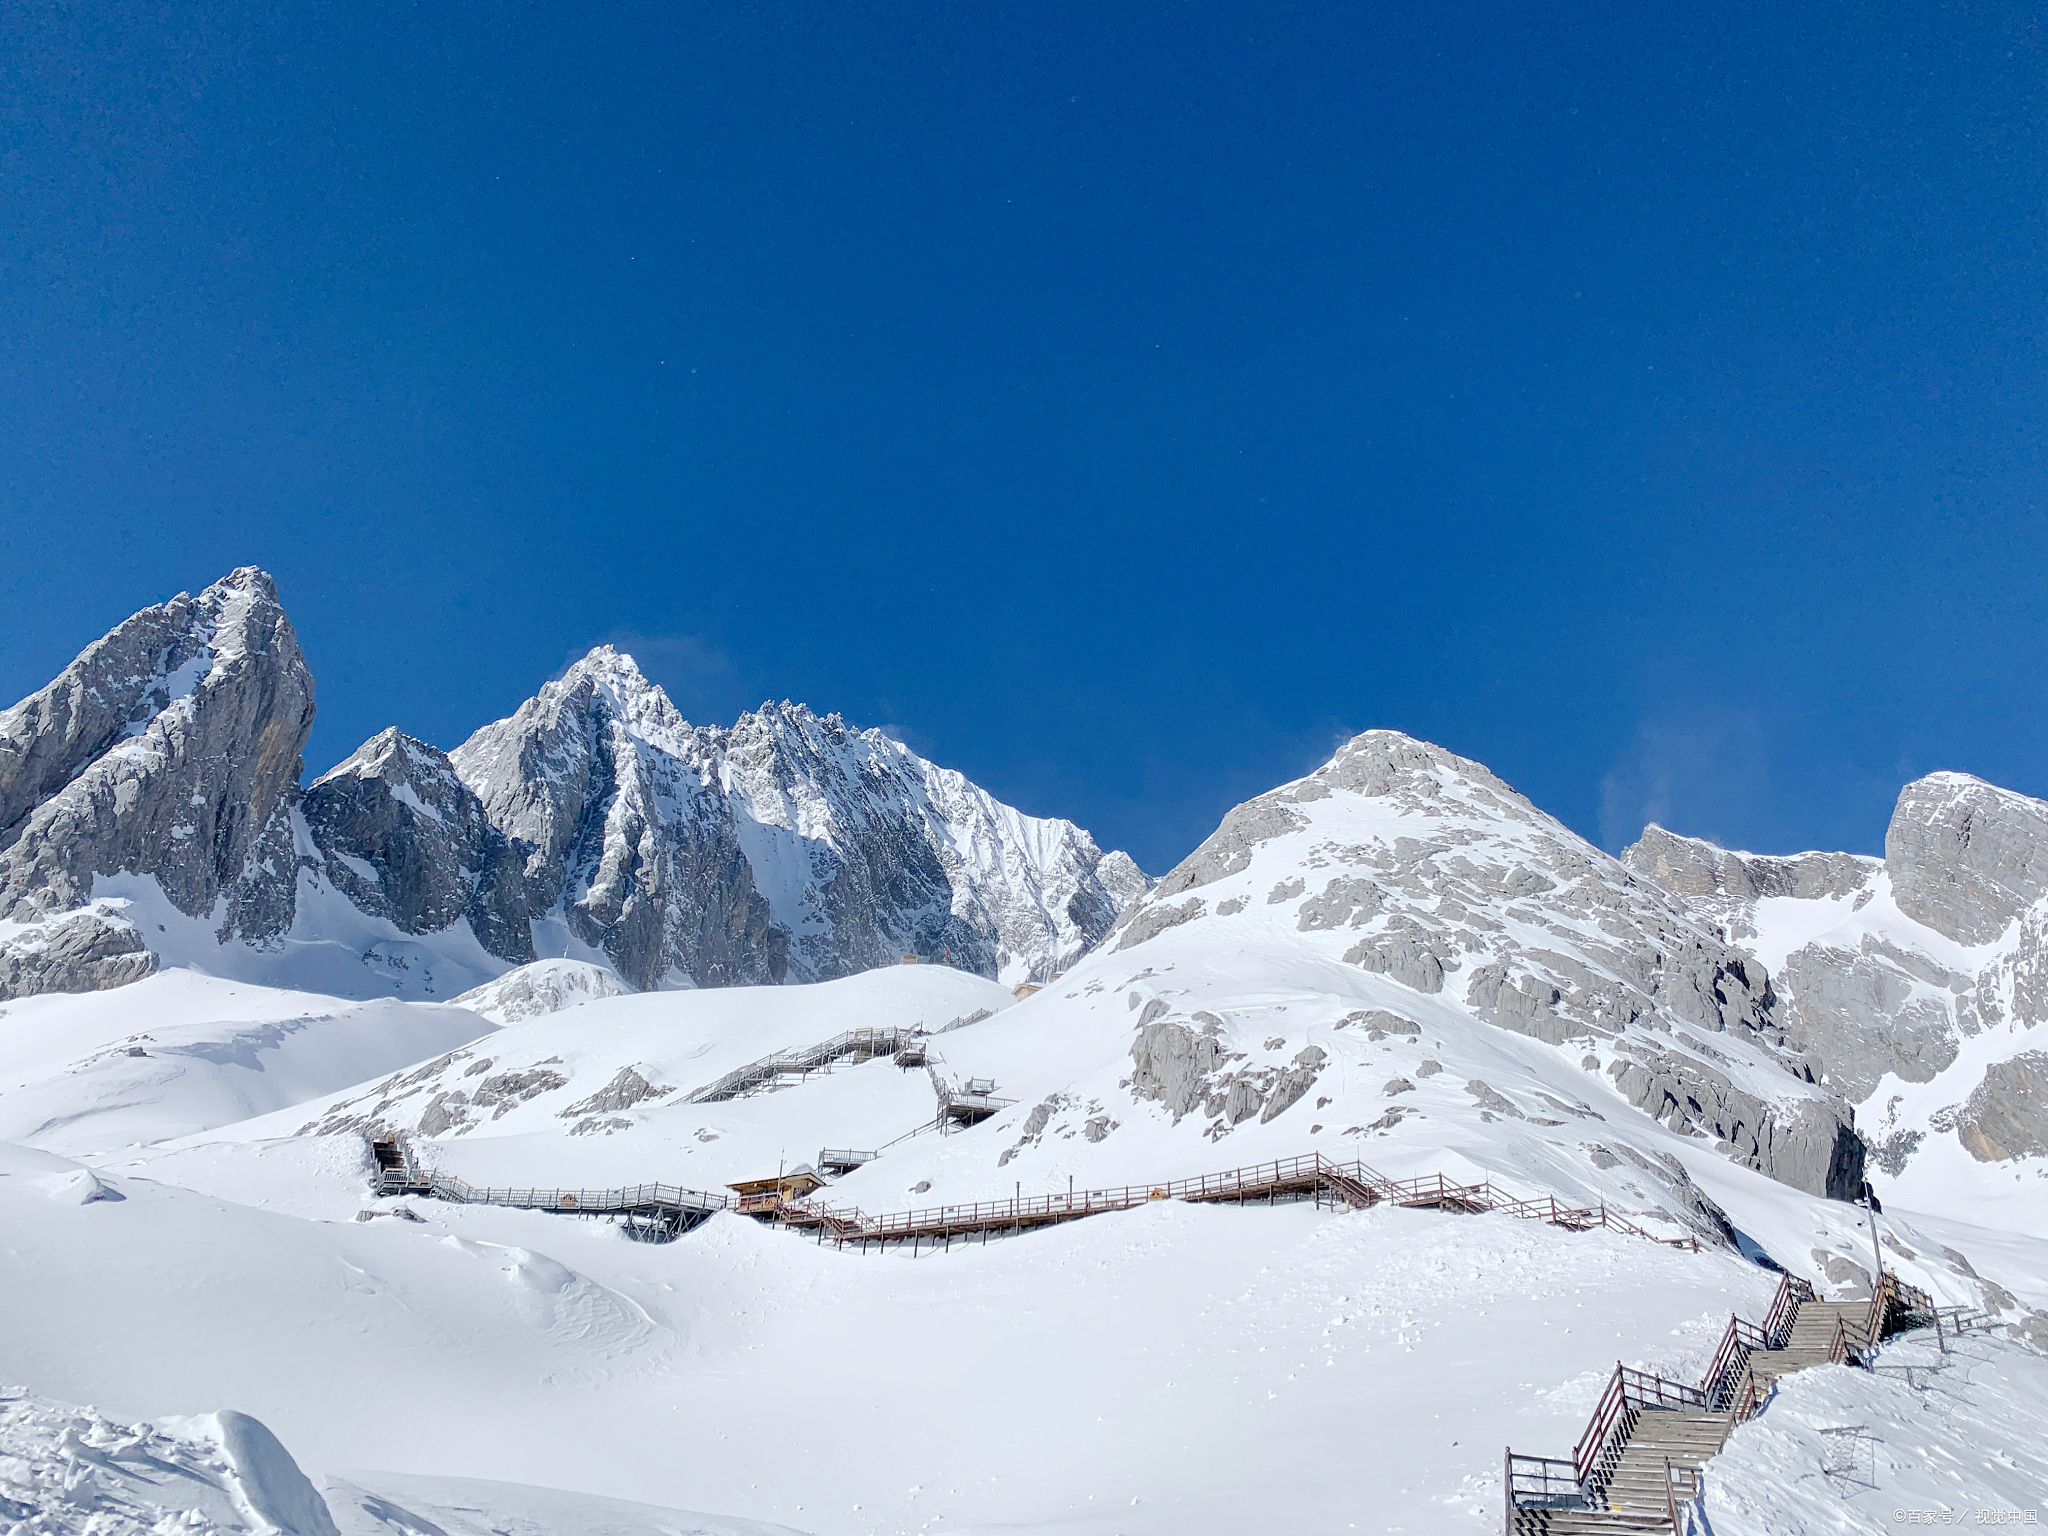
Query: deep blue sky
x,y
1123,402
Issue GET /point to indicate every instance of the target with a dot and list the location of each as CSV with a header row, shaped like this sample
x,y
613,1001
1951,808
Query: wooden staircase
x,y
1639,1464
905,1046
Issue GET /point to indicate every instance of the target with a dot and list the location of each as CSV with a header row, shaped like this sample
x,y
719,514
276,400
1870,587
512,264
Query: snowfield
x,y
1174,1368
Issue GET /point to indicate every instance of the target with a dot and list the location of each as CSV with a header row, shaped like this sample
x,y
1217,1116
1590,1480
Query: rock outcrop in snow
x,y
170,748
1965,857
1911,984
544,987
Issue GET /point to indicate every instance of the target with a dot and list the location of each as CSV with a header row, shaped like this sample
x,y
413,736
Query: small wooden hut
x,y
766,1197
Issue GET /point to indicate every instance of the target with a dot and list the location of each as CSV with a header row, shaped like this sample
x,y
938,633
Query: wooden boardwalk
x,y
1353,1185
660,1212
648,1212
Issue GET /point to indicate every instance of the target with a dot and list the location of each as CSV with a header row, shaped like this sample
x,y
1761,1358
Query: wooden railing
x,y
853,1045
1353,1183
1724,1383
1683,1487
1729,1386
1543,1482
579,1202
1784,1307
1629,1391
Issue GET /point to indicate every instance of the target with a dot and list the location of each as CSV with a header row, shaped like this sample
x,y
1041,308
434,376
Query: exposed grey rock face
x,y
2007,1115
1172,1064
1156,920
1461,888
1727,886
1884,992
170,748
407,841
88,951
1186,1070
788,847
1966,857
1858,1014
1855,1013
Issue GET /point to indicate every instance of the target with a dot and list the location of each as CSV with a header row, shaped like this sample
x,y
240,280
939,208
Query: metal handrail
x,y
1543,1482
632,1197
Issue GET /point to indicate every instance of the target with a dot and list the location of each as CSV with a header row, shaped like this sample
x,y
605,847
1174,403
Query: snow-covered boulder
x,y
544,987
69,1471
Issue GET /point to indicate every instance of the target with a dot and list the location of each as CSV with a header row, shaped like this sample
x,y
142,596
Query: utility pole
x,y
1876,1253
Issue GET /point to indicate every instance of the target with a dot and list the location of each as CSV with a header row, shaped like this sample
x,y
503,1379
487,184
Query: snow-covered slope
x,y
1079,1380
181,1053
599,1096
545,986
1927,1438
70,1471
1914,986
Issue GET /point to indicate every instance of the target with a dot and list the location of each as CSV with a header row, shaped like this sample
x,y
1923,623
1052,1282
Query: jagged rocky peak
x,y
170,748
788,846
594,822
1407,860
404,839
1966,857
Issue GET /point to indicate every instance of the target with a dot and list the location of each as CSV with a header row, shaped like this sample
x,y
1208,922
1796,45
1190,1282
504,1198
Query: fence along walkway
x,y
906,1045
1638,1465
1353,1185
661,1212
649,1212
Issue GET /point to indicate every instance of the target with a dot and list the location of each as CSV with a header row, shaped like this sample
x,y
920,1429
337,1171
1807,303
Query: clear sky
x,y
1120,402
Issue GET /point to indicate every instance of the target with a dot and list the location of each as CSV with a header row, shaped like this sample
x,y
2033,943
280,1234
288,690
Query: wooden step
x,y
1590,1522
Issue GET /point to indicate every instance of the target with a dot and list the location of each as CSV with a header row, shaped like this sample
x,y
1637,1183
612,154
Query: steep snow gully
x,y
299,1082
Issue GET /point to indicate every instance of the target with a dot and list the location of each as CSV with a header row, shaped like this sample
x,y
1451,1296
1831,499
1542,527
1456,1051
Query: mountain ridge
x,y
152,811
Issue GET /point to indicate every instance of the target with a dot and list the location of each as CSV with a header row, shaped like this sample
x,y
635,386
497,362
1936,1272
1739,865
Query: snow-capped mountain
x,y
789,846
1913,985
151,812
1398,949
